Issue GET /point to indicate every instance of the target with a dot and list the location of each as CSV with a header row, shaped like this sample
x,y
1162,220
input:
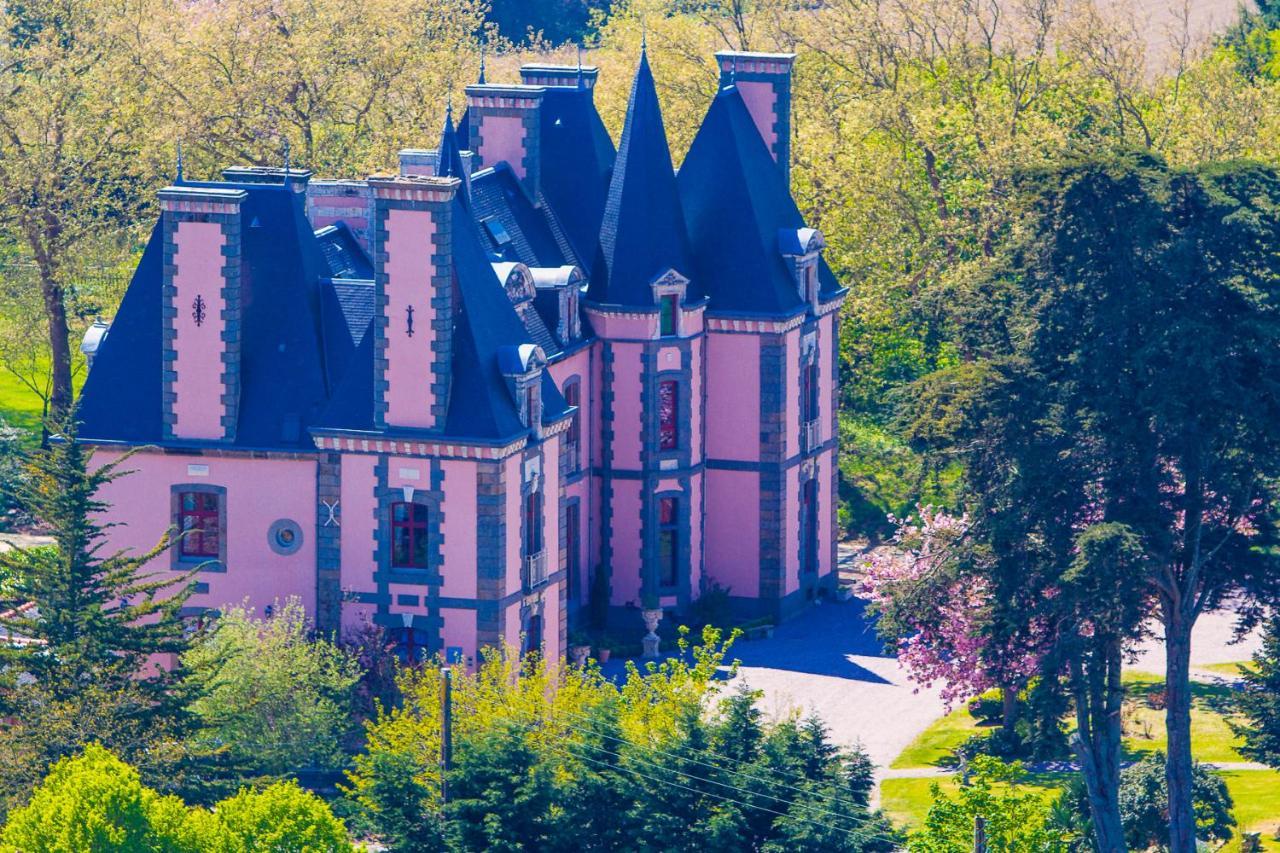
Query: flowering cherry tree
x,y
933,598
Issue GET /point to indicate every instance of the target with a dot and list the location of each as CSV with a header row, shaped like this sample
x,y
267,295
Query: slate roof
x,y
480,403
577,165
284,374
642,233
736,201
497,194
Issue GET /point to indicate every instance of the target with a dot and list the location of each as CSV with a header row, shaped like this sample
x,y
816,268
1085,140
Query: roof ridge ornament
x,y
579,65
286,158
481,79
178,178
644,36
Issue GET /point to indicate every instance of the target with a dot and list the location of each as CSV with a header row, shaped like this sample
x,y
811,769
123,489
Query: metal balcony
x,y
535,571
811,435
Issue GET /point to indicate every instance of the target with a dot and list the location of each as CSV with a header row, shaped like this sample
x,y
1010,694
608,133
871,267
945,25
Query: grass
x,y
906,801
1256,794
19,407
1230,670
1143,726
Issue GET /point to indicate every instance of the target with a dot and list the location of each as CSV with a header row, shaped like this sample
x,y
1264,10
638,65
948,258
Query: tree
x,y
1116,413
72,159
94,802
268,695
282,818
88,618
1017,820
1259,700
1144,803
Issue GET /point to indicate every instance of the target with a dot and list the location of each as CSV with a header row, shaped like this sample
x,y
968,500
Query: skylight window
x,y
497,231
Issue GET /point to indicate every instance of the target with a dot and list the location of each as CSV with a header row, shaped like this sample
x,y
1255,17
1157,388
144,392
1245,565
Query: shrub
x,y
1144,804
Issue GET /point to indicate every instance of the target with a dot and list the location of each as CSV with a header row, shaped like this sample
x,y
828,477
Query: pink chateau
x,y
529,378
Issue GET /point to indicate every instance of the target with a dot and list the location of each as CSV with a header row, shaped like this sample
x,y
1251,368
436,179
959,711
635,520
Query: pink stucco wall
x,y
140,505
502,138
198,407
760,99
514,477
695,395
358,536
825,533
625,580
627,414
551,625
551,506
459,629
580,365
791,538
733,506
459,527
791,368
409,358
733,397
695,533
619,326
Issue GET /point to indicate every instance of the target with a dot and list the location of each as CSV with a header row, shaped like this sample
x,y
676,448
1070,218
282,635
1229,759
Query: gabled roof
x,y
577,164
741,216
642,233
283,371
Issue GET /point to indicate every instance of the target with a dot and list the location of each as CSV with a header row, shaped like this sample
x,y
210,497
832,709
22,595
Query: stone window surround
x,y
573,467
177,562
670,283
681,527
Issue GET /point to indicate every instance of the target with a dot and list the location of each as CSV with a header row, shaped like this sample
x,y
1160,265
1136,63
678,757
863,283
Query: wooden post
x,y
446,732
979,834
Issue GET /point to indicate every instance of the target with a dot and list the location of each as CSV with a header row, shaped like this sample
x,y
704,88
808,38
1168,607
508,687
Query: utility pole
x,y
446,732
979,834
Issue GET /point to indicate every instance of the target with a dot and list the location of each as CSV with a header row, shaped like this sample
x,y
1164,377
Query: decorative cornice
x,y
500,96
427,188
444,449
201,200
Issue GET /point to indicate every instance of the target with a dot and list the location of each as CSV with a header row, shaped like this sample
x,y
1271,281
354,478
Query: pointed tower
x,y
646,306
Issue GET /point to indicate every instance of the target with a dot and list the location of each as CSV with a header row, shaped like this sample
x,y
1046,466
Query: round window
x,y
285,536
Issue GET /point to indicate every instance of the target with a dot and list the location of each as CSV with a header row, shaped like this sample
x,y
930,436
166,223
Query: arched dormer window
x,y
516,280
565,284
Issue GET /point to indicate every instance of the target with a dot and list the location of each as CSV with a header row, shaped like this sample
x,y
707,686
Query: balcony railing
x,y
535,570
572,461
811,435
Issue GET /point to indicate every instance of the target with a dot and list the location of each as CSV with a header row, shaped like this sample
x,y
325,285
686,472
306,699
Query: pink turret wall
x,y
791,544
627,414
792,371
140,503
733,397
695,533
625,579
459,629
198,259
825,533
695,395
733,559
514,477
502,138
409,270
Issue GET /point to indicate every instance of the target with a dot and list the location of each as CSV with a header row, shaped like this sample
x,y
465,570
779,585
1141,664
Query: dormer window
x,y
668,311
668,294
566,283
802,249
522,367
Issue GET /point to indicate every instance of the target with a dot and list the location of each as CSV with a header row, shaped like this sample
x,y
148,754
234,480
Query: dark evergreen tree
x,y
1259,701
500,793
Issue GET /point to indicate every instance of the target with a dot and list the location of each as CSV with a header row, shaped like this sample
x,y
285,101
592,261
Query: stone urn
x,y
578,654
651,616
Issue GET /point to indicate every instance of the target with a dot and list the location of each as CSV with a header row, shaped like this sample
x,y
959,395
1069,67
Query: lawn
x,y
18,406
1230,670
1256,794
1143,726
907,801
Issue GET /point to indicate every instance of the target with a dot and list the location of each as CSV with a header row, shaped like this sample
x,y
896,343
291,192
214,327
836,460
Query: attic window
x,y
497,231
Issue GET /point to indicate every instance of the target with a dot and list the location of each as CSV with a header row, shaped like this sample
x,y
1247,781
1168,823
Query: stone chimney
x,y
413,280
505,125
764,80
200,312
560,76
348,202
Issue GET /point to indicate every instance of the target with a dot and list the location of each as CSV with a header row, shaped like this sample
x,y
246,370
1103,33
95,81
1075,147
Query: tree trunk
x,y
1098,698
59,346
1177,715
1009,709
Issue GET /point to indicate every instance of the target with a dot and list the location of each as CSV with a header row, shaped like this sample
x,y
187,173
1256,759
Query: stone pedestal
x,y
650,641
578,654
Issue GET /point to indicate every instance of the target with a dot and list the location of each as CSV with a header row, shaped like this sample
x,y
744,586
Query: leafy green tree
x,y
1017,819
282,818
500,794
269,696
1259,700
1144,804
95,802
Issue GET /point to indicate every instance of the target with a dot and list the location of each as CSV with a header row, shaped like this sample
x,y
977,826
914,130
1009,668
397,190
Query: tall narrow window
x,y
809,526
573,438
809,392
408,536
571,544
668,412
668,308
533,635
533,524
198,521
668,542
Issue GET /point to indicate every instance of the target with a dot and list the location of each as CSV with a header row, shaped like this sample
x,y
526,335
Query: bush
x,y
280,819
1144,804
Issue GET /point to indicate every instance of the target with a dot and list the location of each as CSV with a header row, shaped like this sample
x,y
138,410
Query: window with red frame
x,y
408,536
198,519
668,543
668,411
